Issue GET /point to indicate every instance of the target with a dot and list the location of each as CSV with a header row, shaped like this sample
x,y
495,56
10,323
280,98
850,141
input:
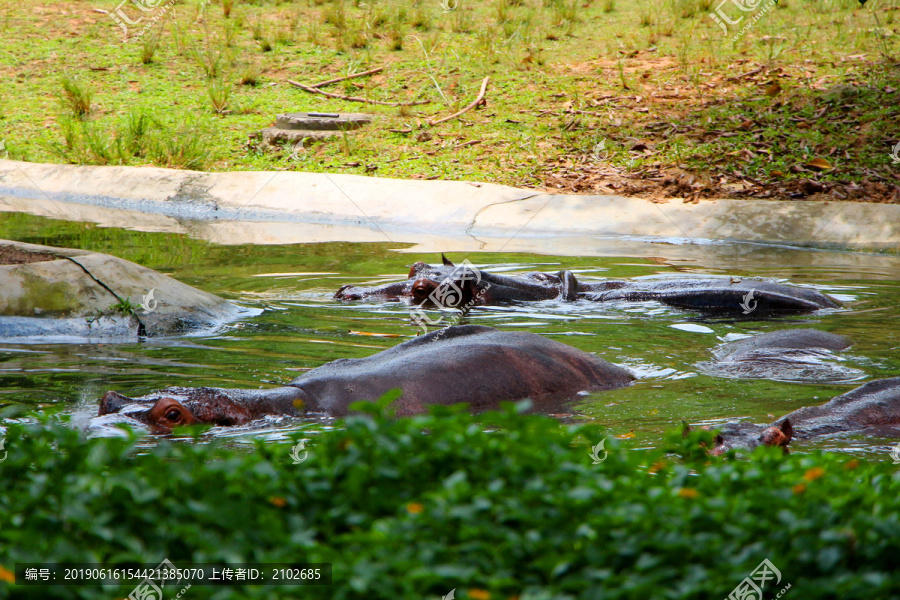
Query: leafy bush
x,y
498,505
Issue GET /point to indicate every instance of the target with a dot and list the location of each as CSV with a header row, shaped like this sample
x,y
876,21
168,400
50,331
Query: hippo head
x,y
446,293
161,415
164,411
748,435
443,285
420,269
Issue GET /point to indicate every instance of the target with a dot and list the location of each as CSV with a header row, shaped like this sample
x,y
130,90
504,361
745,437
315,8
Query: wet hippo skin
x,y
805,355
873,408
716,295
479,366
792,339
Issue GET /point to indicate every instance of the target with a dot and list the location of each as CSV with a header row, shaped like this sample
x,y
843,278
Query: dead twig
x,y
313,90
474,103
747,74
363,74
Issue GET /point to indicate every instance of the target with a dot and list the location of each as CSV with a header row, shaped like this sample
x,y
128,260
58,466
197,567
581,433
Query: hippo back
x,y
785,355
797,339
481,366
870,406
715,295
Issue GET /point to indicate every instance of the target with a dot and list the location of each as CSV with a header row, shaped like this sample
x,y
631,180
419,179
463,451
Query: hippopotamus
x,y
476,365
785,355
450,286
873,408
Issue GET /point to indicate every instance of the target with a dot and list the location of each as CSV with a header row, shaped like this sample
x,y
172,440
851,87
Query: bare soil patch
x,y
10,255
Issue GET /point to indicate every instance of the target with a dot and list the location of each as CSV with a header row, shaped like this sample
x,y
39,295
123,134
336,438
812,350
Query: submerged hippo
x,y
873,408
453,286
785,355
480,366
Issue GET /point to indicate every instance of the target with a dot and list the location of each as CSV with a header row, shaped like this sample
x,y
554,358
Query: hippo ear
x,y
446,261
568,288
788,430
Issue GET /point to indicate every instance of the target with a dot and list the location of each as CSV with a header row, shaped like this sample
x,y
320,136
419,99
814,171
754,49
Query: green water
x,y
302,327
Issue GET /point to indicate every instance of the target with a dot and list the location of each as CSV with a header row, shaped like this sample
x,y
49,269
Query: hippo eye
x,y
173,415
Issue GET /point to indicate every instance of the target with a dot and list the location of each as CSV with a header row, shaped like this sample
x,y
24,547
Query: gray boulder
x,y
48,292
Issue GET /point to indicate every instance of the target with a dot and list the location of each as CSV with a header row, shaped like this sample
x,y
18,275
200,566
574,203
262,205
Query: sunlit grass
x,y
553,64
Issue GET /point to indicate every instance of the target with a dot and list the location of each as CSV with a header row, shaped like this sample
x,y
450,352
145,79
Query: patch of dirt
x,y
638,126
585,175
10,255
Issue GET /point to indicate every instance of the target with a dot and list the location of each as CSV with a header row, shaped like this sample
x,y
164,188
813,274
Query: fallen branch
x,y
474,103
363,74
747,74
313,90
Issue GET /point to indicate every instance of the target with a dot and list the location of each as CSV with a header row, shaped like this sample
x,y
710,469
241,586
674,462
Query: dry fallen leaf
x,y
812,187
819,164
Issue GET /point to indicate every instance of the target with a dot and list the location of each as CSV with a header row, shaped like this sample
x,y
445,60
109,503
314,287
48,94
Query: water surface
x,y
302,327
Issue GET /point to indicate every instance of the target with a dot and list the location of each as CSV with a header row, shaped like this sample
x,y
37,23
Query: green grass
x,y
124,306
138,138
76,96
564,75
496,506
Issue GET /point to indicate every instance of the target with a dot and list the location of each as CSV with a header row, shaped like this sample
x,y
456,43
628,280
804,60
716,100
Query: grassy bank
x,y
413,508
639,98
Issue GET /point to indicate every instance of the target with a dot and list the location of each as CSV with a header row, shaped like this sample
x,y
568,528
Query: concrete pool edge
x,y
401,210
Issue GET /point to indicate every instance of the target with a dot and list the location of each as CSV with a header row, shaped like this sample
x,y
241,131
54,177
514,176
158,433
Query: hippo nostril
x,y
422,288
112,402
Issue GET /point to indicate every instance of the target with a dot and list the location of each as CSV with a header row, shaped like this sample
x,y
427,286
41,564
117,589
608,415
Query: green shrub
x,y
498,505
